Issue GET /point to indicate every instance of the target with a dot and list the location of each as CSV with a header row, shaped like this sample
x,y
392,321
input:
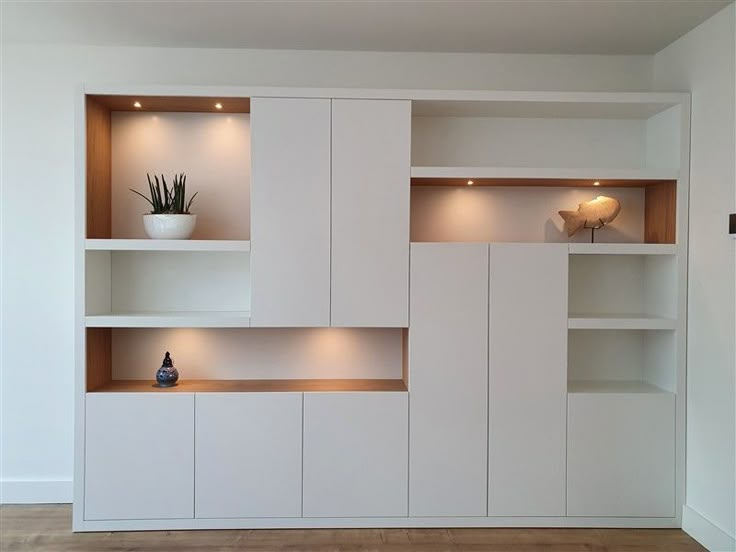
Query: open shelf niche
x,y
621,361
129,274
623,321
623,286
500,171
243,360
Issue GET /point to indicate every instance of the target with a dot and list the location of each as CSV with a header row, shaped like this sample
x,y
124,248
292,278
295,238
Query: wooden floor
x,y
47,528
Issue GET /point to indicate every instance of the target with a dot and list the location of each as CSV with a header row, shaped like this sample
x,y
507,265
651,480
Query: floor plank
x,y
47,528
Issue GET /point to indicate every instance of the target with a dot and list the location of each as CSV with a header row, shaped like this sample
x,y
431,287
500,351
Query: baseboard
x,y
707,534
35,492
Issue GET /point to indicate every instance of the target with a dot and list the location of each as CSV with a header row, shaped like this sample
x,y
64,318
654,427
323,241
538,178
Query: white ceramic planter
x,y
169,227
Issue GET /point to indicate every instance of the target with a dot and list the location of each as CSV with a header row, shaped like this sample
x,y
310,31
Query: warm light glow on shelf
x,y
218,105
137,104
470,182
596,183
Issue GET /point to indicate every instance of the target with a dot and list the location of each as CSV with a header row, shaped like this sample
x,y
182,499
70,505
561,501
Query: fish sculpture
x,y
591,214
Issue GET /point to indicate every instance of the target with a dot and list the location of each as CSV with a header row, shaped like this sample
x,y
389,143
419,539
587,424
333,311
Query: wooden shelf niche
x,y
248,360
167,135
524,209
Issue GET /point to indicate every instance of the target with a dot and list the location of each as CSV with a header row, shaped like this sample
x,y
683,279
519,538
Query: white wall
x,y
38,87
703,61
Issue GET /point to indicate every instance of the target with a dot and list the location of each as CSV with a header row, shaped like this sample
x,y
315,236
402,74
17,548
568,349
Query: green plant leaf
x,y
144,197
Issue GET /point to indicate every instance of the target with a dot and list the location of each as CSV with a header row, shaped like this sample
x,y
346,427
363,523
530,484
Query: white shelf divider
x,y
204,319
612,386
618,322
166,245
622,249
542,173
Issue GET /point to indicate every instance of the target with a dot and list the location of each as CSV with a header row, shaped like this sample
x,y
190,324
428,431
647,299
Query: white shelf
x,y
542,173
622,249
167,245
587,105
204,319
612,386
618,322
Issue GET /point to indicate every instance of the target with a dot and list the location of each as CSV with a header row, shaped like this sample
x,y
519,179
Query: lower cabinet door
x,y
139,456
248,455
355,454
621,454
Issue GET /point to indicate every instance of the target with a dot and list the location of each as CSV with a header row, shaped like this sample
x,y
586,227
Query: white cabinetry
x,y
448,379
621,453
528,379
139,456
355,454
290,221
248,455
370,212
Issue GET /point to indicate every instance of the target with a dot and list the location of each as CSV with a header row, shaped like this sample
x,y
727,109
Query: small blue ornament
x,y
167,375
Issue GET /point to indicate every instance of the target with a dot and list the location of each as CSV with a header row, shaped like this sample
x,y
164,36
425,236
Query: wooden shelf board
x,y
253,386
618,322
214,319
611,386
166,245
622,249
187,104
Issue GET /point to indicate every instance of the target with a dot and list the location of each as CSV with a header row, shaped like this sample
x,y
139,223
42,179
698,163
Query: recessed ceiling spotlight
x,y
596,183
218,105
137,105
470,182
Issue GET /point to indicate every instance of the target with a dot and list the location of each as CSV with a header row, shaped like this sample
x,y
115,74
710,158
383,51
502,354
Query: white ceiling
x,y
500,26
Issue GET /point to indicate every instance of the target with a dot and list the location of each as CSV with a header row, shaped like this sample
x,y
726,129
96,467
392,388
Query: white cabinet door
x,y
621,454
290,212
448,379
248,455
370,212
139,456
355,454
527,379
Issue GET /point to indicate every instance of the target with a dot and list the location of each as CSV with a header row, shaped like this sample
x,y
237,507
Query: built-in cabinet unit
x,y
379,320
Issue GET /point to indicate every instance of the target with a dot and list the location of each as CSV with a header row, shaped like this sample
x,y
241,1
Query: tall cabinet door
x,y
290,218
139,456
527,379
245,467
371,161
448,380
